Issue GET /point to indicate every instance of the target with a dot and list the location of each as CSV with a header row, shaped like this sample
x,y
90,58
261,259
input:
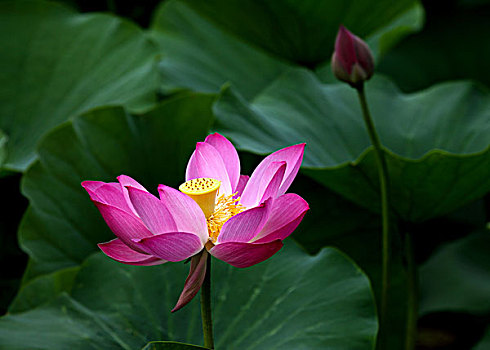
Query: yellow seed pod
x,y
203,191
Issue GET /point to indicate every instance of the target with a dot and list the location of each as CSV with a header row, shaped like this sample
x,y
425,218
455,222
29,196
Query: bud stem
x,y
207,321
383,184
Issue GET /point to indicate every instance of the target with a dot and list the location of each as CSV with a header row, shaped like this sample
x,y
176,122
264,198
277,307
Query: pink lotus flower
x,y
352,60
237,219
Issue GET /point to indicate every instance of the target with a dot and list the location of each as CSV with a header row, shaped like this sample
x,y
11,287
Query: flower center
x,y
226,208
203,190
217,210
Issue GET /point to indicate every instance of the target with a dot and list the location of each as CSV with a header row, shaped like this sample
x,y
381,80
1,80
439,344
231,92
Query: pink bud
x,y
352,60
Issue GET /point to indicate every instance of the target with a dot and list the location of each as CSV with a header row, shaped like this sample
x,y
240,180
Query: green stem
x,y
207,321
383,184
412,302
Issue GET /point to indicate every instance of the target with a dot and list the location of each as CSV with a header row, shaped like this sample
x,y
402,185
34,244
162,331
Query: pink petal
x,y
194,281
206,161
119,251
286,213
241,184
273,186
125,181
268,179
92,185
245,225
293,156
186,212
344,49
123,224
364,55
241,254
152,211
108,193
171,246
229,155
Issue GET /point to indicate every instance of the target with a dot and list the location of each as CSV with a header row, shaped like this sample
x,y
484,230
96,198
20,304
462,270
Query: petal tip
x,y
213,135
178,306
300,145
132,188
88,185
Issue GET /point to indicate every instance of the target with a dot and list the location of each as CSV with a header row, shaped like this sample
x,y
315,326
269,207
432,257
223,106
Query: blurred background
x,y
254,60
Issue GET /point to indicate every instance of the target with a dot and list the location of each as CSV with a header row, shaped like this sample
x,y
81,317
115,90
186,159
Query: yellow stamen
x,y
203,191
217,211
226,207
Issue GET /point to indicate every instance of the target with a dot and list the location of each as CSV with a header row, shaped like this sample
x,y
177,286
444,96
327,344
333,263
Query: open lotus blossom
x,y
217,211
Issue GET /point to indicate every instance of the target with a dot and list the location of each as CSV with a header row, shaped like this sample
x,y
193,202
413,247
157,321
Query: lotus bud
x,y
352,60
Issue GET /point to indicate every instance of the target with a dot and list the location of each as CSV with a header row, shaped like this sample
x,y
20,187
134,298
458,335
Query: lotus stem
x,y
207,320
383,184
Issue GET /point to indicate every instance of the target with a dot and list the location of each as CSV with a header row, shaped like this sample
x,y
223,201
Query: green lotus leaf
x,y
382,41
170,345
61,226
56,63
200,56
3,147
249,43
291,301
457,277
449,47
337,222
43,289
436,141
